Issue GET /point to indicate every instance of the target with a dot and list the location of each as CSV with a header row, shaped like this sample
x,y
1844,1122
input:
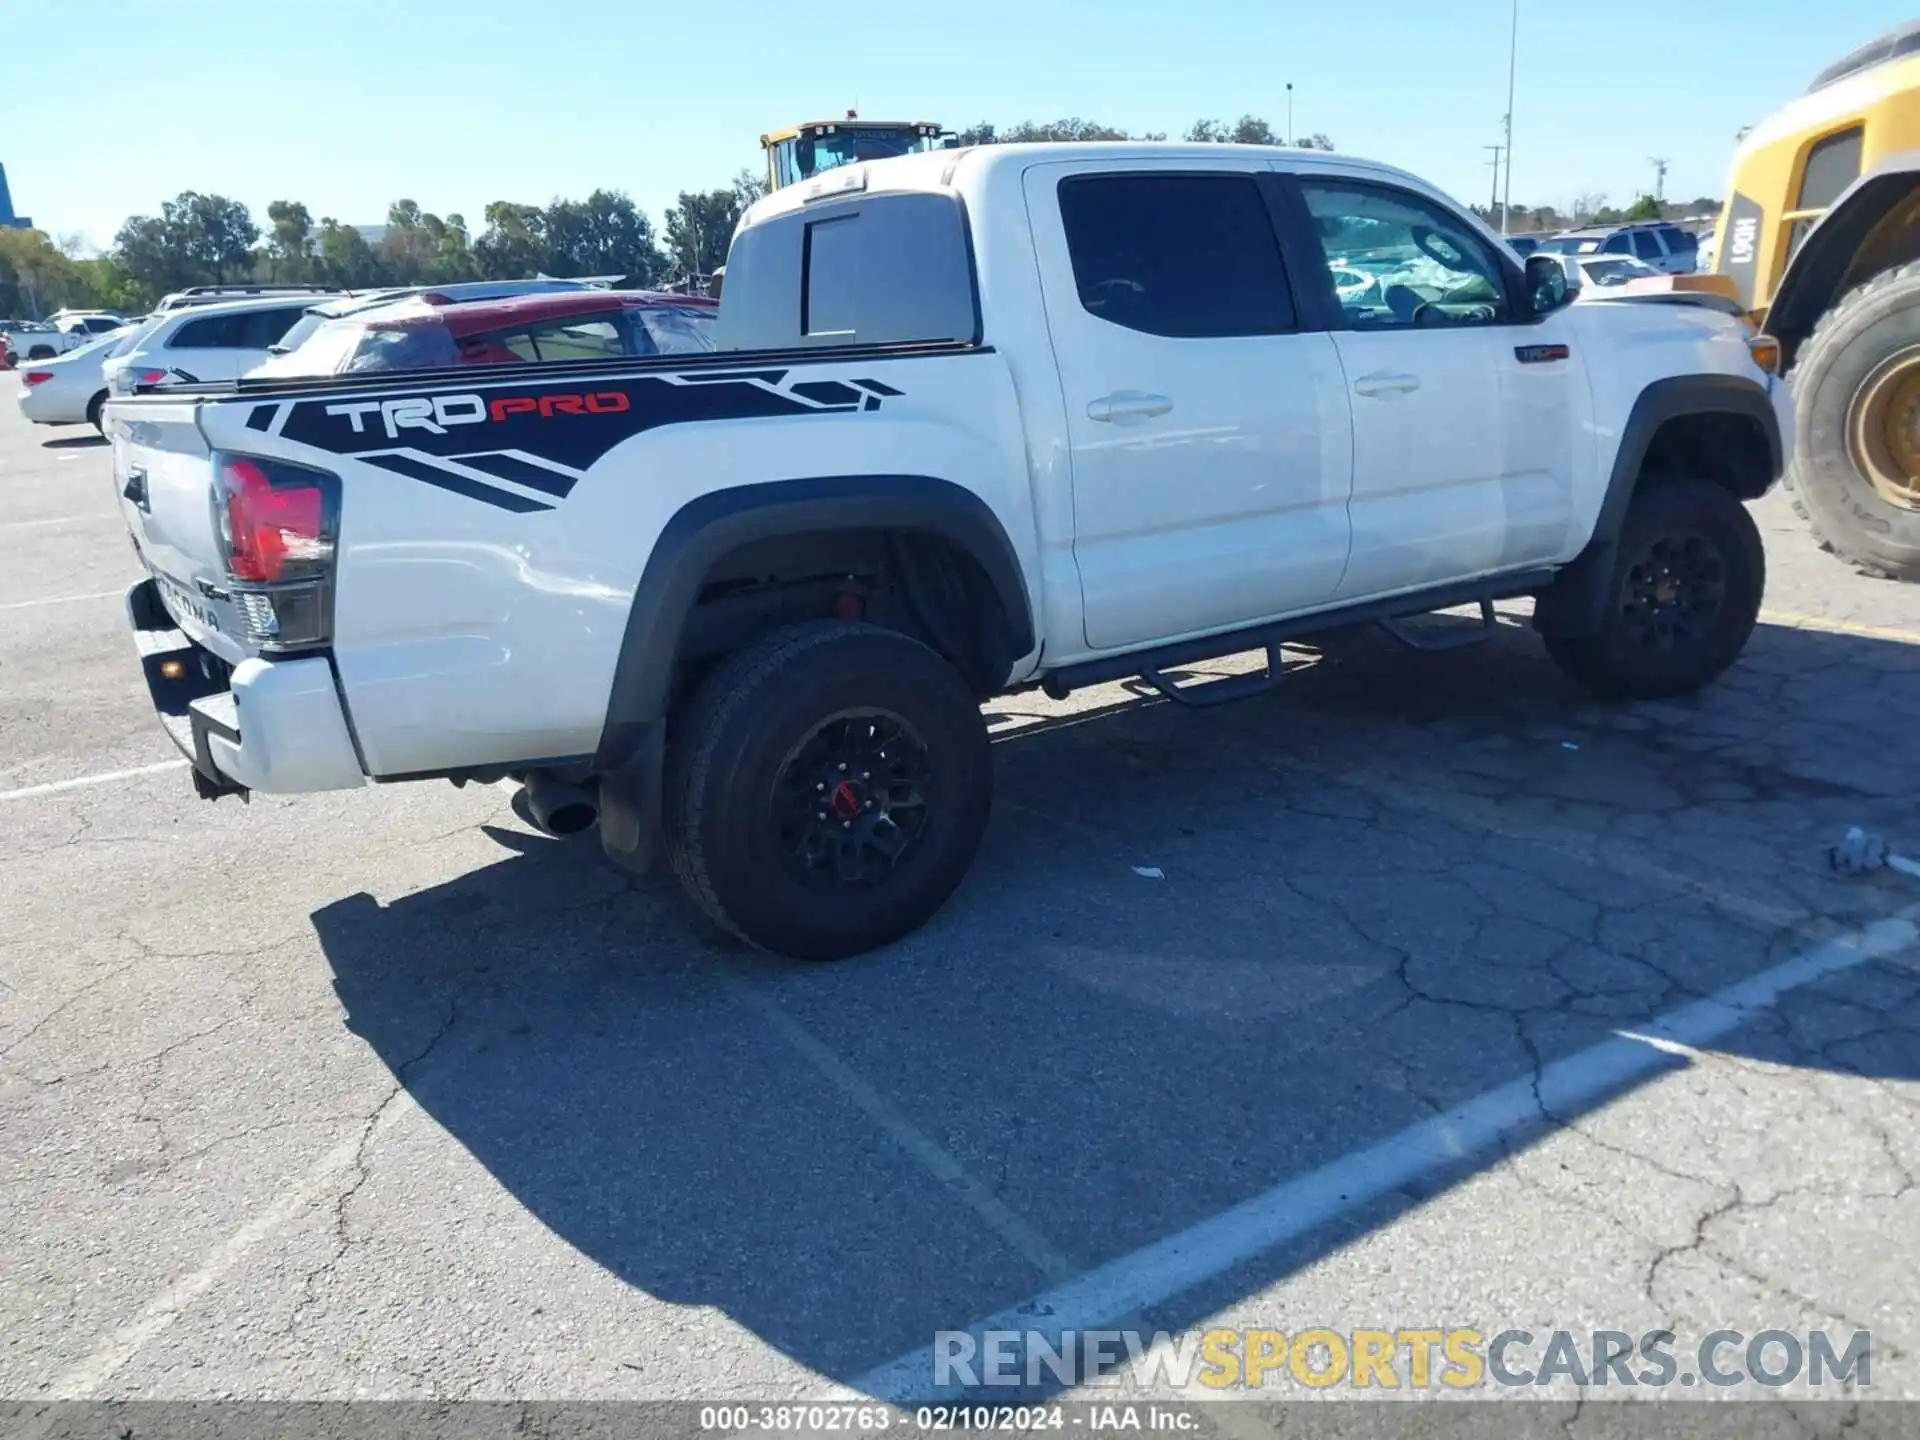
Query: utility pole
x,y
1513,60
1659,164
1289,112
1498,150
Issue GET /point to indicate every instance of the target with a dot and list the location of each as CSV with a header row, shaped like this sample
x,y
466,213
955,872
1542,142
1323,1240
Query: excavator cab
x,y
802,151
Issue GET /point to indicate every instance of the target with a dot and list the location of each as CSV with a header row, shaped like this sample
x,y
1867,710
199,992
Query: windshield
x,y
125,341
323,350
849,147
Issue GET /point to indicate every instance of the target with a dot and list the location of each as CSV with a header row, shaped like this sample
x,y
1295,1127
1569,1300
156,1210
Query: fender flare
x,y
1573,605
711,525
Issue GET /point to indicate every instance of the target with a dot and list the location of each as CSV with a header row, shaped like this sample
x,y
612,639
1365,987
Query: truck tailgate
x,y
163,474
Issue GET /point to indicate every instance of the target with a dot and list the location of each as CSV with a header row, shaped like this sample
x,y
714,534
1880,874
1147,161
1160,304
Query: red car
x,y
413,334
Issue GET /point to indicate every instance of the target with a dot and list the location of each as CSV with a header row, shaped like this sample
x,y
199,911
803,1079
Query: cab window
x,y
1400,259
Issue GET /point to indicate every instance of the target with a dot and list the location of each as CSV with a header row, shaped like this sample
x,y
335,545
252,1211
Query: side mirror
x,y
1547,288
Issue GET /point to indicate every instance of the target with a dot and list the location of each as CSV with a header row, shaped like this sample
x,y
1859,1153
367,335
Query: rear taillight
x,y
37,377
277,524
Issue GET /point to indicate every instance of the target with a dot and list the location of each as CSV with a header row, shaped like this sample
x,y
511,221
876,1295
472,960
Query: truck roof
x,y
951,169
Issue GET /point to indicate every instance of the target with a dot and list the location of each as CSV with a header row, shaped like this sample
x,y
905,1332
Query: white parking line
x,y
117,1348
1176,1263
80,782
61,599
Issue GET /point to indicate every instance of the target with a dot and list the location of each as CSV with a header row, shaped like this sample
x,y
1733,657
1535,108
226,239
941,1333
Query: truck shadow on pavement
x,y
1398,884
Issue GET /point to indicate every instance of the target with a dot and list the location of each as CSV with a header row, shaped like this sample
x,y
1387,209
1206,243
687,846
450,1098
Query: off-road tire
x,y
94,408
737,736
1847,516
1616,663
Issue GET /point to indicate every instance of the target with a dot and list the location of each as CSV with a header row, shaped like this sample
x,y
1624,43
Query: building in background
x,y
9,220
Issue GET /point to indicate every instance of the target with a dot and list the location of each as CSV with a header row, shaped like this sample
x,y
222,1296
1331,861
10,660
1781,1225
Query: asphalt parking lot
x,y
1445,999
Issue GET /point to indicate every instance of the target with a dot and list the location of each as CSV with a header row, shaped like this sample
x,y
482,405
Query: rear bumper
x,y
271,725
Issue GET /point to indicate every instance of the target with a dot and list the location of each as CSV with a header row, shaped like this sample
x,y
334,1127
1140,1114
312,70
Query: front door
x,y
1208,435
1469,417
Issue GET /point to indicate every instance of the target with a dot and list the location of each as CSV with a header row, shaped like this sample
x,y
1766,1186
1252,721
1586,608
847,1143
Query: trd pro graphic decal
x,y
541,436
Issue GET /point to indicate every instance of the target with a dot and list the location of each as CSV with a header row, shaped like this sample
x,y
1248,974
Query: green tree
x,y
1247,130
748,187
1074,128
514,244
699,230
35,278
1316,141
420,248
290,241
1645,208
219,233
605,234
343,257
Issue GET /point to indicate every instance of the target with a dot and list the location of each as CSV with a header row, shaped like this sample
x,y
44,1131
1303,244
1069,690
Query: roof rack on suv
x,y
209,294
257,290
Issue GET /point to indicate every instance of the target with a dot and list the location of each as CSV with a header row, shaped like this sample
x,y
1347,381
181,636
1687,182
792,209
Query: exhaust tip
x,y
571,819
556,807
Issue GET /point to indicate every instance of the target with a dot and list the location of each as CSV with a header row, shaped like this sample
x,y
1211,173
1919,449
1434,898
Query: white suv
x,y
1667,248
205,343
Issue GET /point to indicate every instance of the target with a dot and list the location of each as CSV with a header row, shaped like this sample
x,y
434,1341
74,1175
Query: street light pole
x,y
1513,57
1289,112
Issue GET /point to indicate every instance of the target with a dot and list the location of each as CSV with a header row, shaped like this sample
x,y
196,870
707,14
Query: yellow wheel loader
x,y
1821,239
799,152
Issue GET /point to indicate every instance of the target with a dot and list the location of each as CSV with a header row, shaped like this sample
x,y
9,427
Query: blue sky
x,y
350,104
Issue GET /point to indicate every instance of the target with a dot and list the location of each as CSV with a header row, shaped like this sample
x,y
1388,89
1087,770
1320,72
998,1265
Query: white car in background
x,y
88,322
1605,272
71,389
36,340
201,343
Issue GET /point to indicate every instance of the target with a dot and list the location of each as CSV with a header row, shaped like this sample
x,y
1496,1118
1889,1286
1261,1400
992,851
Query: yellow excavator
x,y
1820,237
799,152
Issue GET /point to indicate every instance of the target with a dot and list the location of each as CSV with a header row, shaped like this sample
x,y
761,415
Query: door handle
x,y
1383,382
1128,407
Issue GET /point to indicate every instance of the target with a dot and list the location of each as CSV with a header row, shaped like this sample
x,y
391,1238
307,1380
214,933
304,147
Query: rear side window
x,y
211,332
1647,245
1178,255
580,337
1679,241
267,327
885,269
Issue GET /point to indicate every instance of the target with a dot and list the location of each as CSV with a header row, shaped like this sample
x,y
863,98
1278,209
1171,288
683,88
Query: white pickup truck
x,y
989,419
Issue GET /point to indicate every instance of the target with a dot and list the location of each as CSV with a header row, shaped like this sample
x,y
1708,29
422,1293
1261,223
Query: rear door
x,y
1208,432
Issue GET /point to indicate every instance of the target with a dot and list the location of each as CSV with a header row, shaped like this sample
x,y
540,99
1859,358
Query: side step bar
x,y
1219,692
1412,637
1151,665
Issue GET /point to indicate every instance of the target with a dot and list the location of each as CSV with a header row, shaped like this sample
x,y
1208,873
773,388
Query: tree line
x,y
205,239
